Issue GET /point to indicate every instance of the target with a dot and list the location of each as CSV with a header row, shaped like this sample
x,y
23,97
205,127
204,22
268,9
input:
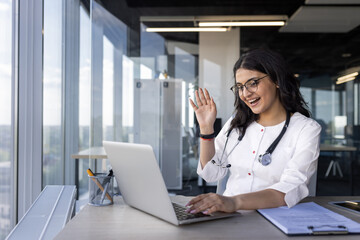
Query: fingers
x,y
203,98
212,210
206,203
193,104
212,104
207,96
196,199
197,97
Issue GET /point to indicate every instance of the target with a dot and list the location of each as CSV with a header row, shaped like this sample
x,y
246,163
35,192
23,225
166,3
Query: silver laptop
x,y
142,186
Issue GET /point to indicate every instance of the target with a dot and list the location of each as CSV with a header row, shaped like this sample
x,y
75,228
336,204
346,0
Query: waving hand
x,y
205,111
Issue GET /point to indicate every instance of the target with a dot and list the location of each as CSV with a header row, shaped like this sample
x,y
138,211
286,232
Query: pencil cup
x,y
101,189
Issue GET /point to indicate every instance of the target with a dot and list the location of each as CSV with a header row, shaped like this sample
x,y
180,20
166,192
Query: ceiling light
x,y
242,24
212,18
346,55
354,74
186,29
347,78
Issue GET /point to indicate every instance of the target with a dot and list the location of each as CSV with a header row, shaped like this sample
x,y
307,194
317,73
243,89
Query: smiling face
x,y
265,99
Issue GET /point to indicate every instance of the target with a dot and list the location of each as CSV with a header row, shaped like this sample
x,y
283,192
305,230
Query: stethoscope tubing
x,y
264,159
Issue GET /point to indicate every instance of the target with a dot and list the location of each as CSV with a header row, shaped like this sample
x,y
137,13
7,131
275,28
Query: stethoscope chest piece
x,y
265,159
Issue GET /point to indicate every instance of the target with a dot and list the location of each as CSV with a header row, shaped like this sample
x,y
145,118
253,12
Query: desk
x,y
91,153
120,221
336,148
339,148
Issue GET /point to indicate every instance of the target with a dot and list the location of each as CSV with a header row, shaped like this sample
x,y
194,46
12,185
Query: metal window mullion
x,y
71,36
14,113
96,78
349,106
117,93
63,90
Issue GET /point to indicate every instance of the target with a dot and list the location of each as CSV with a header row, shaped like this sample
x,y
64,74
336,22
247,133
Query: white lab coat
x,y
294,160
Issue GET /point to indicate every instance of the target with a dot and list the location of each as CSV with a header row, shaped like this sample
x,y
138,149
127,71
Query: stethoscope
x,y
264,159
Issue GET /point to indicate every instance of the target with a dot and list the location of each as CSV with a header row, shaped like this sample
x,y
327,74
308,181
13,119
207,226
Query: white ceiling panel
x,y
324,19
327,2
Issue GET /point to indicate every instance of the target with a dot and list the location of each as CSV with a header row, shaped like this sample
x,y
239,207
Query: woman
x,y
269,147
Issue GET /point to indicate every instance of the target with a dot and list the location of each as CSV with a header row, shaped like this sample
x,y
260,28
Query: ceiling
x,y
309,53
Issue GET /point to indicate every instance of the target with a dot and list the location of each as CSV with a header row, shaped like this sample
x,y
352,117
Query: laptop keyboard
x,y
181,213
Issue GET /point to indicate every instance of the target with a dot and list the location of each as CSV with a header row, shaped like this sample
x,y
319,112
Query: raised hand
x,y
205,111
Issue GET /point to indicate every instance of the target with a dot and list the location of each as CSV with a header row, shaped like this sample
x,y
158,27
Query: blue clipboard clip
x,y
328,229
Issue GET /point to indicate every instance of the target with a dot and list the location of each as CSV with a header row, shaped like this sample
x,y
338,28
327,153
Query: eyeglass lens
x,y
250,86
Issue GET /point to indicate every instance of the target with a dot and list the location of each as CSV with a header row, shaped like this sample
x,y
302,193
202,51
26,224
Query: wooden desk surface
x,y
93,153
120,221
336,148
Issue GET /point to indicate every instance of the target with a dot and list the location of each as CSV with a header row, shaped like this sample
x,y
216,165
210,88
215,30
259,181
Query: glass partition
x,y
128,93
334,107
104,71
171,64
326,102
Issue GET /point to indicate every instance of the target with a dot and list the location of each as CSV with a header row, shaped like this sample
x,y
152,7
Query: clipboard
x,y
309,219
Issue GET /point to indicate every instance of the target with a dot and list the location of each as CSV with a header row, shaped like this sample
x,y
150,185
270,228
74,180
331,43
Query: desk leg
x,y
77,177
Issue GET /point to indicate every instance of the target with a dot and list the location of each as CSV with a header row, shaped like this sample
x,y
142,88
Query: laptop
x,y
142,185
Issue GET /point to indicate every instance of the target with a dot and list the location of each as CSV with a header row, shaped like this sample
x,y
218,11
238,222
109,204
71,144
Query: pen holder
x,y
101,189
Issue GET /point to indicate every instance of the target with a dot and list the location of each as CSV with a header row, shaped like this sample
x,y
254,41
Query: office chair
x,y
312,185
221,185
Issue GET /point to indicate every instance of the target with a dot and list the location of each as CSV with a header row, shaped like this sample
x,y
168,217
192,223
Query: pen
x,y
106,186
106,180
91,174
103,194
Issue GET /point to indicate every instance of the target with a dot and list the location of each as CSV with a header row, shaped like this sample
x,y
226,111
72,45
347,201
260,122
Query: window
x,y
84,95
52,93
6,120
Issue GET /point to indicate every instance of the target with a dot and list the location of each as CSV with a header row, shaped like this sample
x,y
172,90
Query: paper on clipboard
x,y
309,218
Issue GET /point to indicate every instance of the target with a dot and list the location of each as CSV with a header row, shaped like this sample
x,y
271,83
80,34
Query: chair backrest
x,y
221,185
312,185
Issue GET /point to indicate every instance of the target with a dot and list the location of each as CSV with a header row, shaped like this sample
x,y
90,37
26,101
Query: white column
x,y
29,160
218,52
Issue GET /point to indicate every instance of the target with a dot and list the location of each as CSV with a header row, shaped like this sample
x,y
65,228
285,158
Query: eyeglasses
x,y
251,85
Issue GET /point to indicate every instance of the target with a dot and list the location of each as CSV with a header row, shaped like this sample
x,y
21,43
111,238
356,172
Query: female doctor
x,y
269,147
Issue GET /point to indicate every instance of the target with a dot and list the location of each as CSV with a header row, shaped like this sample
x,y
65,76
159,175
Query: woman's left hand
x,y
211,202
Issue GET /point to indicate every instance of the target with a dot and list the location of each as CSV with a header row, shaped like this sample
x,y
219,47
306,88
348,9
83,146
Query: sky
x,y
5,61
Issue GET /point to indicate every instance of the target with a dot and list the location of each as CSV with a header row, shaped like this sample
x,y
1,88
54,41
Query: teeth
x,y
251,101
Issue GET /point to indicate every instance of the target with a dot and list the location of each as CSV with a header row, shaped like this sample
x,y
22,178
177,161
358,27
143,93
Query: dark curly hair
x,y
272,64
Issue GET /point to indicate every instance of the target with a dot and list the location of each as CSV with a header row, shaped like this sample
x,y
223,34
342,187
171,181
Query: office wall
x,y
218,53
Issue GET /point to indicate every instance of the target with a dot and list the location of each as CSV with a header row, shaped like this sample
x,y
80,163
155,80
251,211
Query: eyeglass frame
x,y
237,87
